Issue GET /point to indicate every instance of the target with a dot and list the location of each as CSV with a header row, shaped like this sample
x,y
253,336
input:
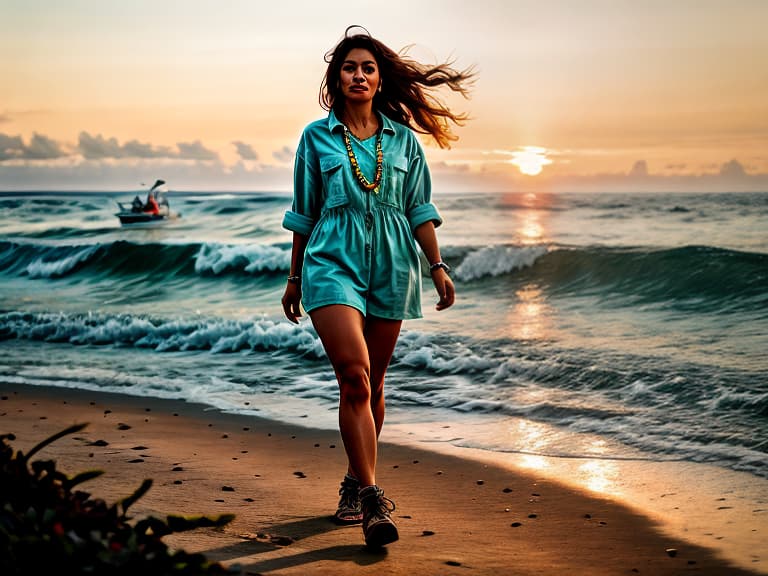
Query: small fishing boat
x,y
155,210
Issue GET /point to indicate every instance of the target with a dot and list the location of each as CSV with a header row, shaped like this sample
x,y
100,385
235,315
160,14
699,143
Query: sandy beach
x,y
455,516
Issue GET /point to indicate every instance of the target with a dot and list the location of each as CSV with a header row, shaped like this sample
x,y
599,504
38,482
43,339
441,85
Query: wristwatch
x,y
440,264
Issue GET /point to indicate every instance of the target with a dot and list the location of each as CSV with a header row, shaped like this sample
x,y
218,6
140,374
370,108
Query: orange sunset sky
x,y
576,95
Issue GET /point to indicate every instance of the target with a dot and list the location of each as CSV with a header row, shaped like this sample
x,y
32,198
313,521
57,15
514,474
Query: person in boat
x,y
362,203
151,207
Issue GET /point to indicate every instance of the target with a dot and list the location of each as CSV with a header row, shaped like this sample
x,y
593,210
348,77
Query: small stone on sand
x,y
227,489
671,552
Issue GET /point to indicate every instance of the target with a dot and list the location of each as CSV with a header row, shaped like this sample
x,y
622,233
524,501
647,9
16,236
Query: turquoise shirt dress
x,y
361,250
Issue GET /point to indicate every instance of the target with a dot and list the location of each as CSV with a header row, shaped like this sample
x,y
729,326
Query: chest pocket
x,y
333,181
395,178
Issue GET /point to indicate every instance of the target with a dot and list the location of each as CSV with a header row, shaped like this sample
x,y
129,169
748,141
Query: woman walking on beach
x,y
362,201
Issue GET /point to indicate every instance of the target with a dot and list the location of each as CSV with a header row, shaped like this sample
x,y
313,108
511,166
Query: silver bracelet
x,y
440,264
294,279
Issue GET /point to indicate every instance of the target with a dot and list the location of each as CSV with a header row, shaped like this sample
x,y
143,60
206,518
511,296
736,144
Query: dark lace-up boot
x,y
349,511
378,527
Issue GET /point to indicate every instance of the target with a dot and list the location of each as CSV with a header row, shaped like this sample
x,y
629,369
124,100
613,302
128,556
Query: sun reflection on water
x,y
585,463
528,317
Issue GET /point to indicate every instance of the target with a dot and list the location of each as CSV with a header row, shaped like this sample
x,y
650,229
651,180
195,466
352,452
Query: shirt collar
x,y
335,124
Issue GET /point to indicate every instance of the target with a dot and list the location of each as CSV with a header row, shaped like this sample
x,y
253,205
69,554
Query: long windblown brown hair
x,y
407,87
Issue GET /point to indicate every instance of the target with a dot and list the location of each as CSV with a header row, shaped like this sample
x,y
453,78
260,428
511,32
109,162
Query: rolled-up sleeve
x,y
302,216
419,208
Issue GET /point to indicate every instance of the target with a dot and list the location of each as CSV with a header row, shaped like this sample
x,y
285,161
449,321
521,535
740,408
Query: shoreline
x,y
452,511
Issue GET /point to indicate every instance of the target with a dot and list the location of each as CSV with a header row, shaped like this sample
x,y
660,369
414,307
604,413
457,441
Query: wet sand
x,y
455,516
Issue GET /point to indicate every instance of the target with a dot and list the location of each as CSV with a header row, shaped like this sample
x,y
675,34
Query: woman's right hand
x,y
292,302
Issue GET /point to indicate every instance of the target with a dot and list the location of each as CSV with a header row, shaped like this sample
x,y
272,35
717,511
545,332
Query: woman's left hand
x,y
444,287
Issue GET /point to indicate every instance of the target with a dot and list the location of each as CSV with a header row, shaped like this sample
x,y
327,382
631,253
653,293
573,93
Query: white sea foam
x,y
252,258
498,260
41,268
216,335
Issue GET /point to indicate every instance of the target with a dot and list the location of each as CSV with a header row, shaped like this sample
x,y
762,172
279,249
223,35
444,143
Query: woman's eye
x,y
369,69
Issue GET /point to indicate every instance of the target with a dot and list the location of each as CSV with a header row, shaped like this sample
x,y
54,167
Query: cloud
x,y
284,154
40,148
196,151
98,147
136,149
180,175
639,169
245,151
95,147
732,169
10,147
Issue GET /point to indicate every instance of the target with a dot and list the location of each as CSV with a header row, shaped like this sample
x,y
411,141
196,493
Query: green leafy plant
x,y
46,526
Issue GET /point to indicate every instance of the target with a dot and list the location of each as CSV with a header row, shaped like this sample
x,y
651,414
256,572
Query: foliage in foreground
x,y
48,527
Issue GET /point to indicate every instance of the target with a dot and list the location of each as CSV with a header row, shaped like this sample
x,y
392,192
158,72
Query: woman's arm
x,y
427,239
292,295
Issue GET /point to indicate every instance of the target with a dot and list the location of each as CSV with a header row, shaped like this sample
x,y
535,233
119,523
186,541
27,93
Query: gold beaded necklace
x,y
365,184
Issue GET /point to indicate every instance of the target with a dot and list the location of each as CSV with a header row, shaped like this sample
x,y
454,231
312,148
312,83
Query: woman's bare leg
x,y
381,337
341,331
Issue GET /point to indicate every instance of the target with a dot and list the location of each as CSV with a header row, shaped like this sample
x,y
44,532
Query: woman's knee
x,y
354,382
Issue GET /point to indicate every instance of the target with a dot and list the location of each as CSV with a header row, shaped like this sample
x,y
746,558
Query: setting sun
x,y
530,160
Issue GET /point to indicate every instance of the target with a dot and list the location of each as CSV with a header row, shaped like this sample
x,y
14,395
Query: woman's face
x,y
359,76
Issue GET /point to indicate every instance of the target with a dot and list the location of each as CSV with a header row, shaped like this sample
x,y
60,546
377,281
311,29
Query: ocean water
x,y
609,326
